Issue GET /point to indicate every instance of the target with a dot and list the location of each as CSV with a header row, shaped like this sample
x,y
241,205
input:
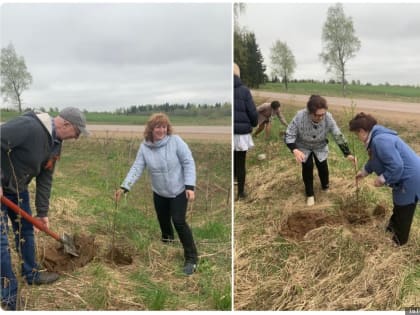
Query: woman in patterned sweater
x,y
306,137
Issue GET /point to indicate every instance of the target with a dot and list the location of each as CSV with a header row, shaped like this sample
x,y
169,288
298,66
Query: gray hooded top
x,y
170,163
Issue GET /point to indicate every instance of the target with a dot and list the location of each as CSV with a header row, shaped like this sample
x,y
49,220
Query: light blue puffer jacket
x,y
170,164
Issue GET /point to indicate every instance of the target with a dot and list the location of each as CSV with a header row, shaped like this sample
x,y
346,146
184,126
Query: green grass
x,y
88,173
155,296
381,92
210,117
411,282
213,230
96,294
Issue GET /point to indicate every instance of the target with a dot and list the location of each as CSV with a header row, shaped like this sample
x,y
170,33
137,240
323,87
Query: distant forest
x,y
188,110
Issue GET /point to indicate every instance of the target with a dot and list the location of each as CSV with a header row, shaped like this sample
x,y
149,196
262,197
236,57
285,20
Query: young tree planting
x,y
282,61
340,43
15,77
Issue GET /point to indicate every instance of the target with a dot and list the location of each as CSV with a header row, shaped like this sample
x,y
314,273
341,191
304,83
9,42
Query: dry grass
x,y
82,202
341,266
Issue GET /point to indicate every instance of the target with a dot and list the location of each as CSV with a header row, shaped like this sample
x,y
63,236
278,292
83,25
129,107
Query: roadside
x,y
213,133
396,112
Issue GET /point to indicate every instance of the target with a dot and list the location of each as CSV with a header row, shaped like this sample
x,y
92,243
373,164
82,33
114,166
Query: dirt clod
x,y
301,222
356,215
54,259
379,211
118,257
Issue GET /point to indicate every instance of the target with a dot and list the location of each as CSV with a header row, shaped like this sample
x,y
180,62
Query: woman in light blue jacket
x,y
172,171
396,165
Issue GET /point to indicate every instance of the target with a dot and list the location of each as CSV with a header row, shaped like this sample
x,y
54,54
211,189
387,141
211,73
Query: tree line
x,y
339,40
188,109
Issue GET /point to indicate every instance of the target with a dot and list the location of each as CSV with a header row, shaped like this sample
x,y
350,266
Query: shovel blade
x,y
68,243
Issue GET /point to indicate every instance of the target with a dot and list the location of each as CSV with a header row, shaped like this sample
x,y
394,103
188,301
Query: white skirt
x,y
242,142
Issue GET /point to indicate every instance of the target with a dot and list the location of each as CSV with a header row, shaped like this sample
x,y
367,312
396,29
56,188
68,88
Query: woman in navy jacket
x,y
245,117
396,165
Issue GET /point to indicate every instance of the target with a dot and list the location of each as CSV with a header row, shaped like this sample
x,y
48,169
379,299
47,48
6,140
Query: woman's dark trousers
x,y
239,160
175,209
400,222
308,174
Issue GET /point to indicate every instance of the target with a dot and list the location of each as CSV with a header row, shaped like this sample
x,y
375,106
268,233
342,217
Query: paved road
x,y
395,106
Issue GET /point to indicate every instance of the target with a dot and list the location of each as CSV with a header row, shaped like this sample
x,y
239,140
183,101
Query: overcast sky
x,y
106,56
389,35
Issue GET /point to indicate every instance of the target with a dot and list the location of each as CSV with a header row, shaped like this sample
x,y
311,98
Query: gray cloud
x,y
108,55
389,34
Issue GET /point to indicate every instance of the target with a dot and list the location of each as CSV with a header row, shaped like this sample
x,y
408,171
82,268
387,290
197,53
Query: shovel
x,y
66,239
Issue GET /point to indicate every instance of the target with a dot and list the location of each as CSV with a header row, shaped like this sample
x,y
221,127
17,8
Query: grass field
x,y
328,257
378,92
215,117
89,172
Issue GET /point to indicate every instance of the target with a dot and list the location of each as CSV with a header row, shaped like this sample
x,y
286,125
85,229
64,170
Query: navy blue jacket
x,y
245,115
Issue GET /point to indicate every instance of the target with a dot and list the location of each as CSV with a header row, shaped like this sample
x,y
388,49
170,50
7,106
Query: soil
x,y
299,223
354,214
55,259
379,211
119,257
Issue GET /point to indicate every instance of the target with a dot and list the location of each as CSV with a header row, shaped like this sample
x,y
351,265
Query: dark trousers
x,y
400,222
308,174
239,159
25,245
175,209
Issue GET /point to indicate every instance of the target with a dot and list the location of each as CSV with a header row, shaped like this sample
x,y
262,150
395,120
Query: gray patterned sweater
x,y
303,134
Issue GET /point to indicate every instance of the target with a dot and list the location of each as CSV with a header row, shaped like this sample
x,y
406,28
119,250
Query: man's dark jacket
x,y
245,114
27,149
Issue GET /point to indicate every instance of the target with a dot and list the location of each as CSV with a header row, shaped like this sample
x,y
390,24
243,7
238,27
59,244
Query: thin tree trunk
x,y
19,103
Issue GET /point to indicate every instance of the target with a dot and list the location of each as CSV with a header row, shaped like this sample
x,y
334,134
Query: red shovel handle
x,y
11,205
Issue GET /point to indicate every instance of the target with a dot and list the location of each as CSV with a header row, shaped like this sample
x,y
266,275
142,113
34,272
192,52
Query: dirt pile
x,y
54,259
119,256
299,223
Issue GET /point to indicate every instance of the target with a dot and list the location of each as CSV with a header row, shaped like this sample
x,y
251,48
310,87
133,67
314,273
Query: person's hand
x,y
44,221
352,159
359,175
299,155
118,193
190,194
1,191
378,182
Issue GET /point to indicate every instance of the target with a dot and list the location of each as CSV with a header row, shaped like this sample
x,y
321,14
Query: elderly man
x,y
30,146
